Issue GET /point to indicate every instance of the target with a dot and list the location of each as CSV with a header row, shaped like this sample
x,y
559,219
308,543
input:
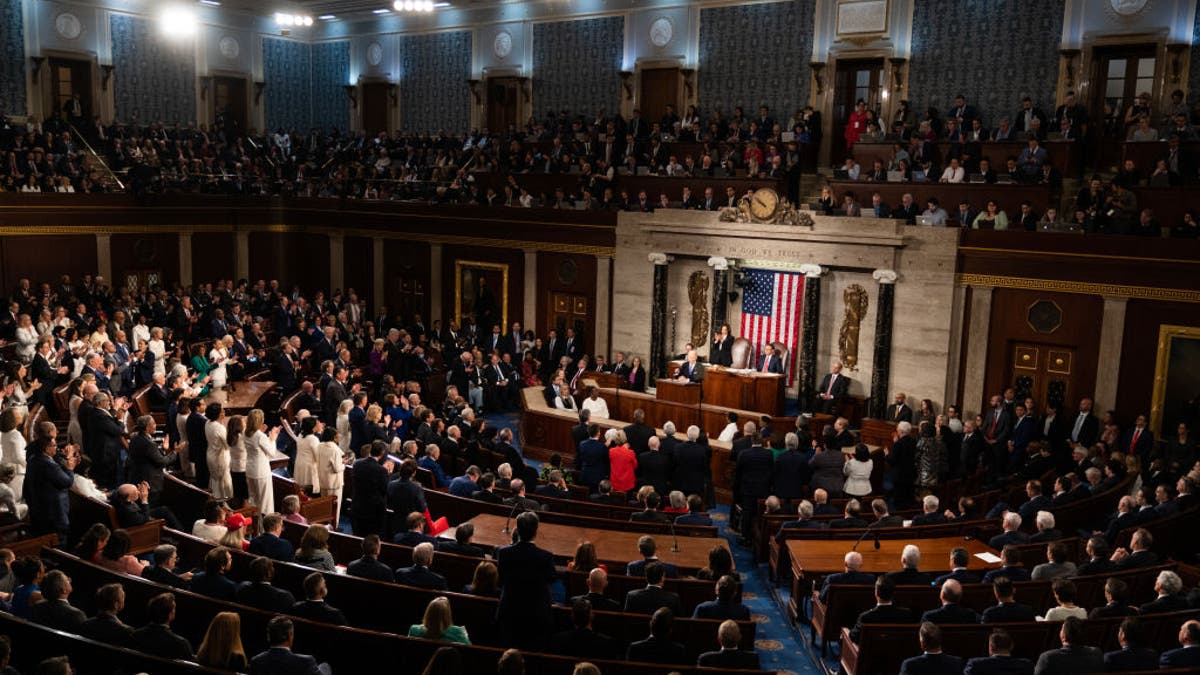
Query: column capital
x,y
885,276
811,271
659,258
718,263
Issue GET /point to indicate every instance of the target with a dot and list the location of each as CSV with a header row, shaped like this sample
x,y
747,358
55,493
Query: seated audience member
x,y
368,566
269,543
1011,566
1133,654
1074,656
883,611
162,571
1140,555
1097,557
909,575
221,647
1171,598
258,592
1012,533
597,581
653,596
581,641
465,485
933,660
695,514
805,510
1064,593
1045,528
461,545
55,609
419,574
951,610
1116,596
651,514
648,547
658,647
414,532
726,605
882,517
438,624
314,607
931,515
211,527
555,486
729,636
212,580
1188,654
485,581
314,549
1006,607
1056,565
485,490
518,498
279,658
156,637
106,626
959,558
850,516
853,574
999,660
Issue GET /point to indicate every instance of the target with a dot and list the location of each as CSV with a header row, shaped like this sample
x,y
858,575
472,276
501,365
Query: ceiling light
x,y
177,21
284,19
327,17
382,10
210,3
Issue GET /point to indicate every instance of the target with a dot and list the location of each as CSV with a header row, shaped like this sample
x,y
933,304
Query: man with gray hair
x,y
1012,533
1046,531
903,458
792,472
1169,587
951,611
692,473
853,574
910,560
930,515
419,574
104,440
804,522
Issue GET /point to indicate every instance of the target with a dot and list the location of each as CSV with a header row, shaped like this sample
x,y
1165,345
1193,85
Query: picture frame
x,y
1176,396
467,276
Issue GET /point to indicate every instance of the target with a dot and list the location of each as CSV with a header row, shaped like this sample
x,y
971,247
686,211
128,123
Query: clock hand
x,y
759,202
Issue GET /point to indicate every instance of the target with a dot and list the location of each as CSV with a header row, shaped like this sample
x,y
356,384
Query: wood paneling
x,y
46,258
212,256
358,267
294,258
406,278
565,273
1082,316
516,276
145,252
1143,318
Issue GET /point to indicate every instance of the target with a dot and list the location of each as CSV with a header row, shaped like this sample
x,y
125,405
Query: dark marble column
x,y
882,363
658,316
810,325
720,291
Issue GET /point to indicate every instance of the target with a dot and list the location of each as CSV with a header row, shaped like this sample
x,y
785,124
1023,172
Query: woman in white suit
x,y
27,338
260,447
305,474
220,481
12,448
219,357
343,424
331,469
237,456
858,472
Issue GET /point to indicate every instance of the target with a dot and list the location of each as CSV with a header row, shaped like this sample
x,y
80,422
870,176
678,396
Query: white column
x,y
977,346
603,294
337,264
435,286
185,259
241,255
377,286
1112,336
529,319
104,260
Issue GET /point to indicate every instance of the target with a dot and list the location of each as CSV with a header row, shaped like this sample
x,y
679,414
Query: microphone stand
x,y
870,528
516,505
674,539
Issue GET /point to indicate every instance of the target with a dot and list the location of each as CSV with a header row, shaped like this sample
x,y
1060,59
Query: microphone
x,y
516,505
674,539
870,528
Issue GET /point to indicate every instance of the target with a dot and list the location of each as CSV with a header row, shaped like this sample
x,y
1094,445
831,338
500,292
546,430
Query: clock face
x,y
502,46
661,32
763,203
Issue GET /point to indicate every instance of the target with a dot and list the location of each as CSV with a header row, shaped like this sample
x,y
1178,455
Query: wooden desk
x,y
678,392
1065,156
740,389
241,400
1008,197
816,557
612,547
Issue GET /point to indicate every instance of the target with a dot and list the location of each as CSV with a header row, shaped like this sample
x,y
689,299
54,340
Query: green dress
x,y
453,634
202,368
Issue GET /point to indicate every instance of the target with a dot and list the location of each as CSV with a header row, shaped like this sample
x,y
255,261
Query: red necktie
x,y
829,391
766,364
1133,445
995,421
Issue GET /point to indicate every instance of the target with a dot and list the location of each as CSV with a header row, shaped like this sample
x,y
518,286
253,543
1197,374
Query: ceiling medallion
x,y
1128,8
502,45
68,26
661,32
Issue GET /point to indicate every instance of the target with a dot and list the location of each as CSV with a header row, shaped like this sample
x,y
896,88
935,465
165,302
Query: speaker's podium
x,y
732,388
675,391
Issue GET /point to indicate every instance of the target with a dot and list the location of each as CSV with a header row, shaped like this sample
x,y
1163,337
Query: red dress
x,y
622,464
855,126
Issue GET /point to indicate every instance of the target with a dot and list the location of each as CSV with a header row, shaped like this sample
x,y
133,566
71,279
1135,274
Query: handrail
x,y
95,154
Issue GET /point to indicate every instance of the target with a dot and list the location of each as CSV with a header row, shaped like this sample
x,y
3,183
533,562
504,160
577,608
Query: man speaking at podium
x,y
769,362
691,370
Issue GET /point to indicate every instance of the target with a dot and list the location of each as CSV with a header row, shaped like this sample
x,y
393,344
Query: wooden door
x,y
229,104
566,310
660,88
854,80
374,107
1120,74
70,78
1042,372
502,103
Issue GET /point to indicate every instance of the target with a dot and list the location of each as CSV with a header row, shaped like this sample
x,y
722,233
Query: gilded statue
x,y
856,301
698,296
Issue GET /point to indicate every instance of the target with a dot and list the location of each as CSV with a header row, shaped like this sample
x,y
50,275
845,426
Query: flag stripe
x,y
771,304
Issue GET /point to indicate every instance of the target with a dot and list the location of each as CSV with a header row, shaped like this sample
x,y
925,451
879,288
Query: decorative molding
x,y
885,276
718,264
811,271
659,258
1077,254
1079,287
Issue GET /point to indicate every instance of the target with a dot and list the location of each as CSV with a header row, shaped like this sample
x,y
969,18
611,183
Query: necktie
x,y
829,391
1136,434
897,412
1078,427
766,364
995,421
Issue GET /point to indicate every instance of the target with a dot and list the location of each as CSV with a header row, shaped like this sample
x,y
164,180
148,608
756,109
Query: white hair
x,y
669,428
422,553
1169,582
749,428
610,435
904,428
504,470
1012,521
930,503
806,509
911,556
854,560
1044,520
693,432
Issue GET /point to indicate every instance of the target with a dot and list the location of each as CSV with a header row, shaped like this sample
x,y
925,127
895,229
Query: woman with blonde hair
x,y
305,473
222,645
438,624
314,549
260,448
12,448
158,347
27,338
330,469
343,425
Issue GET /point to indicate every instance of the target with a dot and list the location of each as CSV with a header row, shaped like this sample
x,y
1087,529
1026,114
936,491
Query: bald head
x,y
597,580
854,561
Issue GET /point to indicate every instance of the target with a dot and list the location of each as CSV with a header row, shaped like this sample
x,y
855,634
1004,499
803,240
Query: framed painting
x,y
1176,380
481,292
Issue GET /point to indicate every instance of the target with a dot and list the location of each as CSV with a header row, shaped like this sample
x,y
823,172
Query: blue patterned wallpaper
x,y
1194,72
12,58
577,66
950,36
755,54
330,72
434,94
287,70
154,79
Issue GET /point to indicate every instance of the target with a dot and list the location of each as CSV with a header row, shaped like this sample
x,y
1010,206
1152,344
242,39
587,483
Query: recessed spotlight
x,y
210,3
381,10
327,17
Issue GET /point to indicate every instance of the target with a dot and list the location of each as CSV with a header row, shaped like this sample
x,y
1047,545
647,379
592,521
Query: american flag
x,y
771,303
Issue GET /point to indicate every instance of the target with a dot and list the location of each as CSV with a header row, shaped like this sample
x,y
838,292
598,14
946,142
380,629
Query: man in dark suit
x,y
269,543
654,467
729,636
581,641
1012,532
405,496
1169,588
1024,431
1006,607
649,599
883,518
1188,655
258,592
413,533
1116,595
899,411
591,458
314,607
212,580
163,570
648,548
692,466
1085,428
909,575
903,458
769,361
368,509
197,440
651,514
1138,441
696,514
55,610
156,637
1125,517
1140,554
579,432
931,513
832,390
638,434
726,605
999,660
805,521
526,573
106,626
1074,656
486,490
368,566
883,611
1133,654
658,648
997,429
951,610
852,575
752,481
850,516
959,558
691,370
597,582
1010,567
933,661
279,659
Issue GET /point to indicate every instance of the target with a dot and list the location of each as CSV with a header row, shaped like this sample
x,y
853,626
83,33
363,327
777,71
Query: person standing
x,y
526,573
49,482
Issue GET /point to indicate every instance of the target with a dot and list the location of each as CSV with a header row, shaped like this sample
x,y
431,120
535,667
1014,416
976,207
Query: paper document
x,y
988,557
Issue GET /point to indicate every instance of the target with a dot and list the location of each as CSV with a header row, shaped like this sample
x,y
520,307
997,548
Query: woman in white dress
x,y
21,392
27,338
218,356
99,337
343,424
220,482
331,470
237,456
260,447
857,470
159,349
12,448
74,431
141,332
8,499
185,459
305,474
45,324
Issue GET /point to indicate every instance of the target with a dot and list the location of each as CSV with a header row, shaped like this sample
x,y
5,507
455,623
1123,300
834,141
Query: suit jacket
x,y
654,650
370,490
108,629
216,586
321,612
1138,559
161,575
638,436
1131,658
693,373
637,568
526,573
932,518
58,614
403,497
1073,659
847,523
729,658
752,473
881,614
909,577
715,609
1028,510
932,664
1013,572
281,661
827,471
591,461
1008,611
266,597
721,352
902,413
792,474
1184,657
647,600
583,643
1005,538
599,602
692,468
1165,603
273,547
147,461
1089,431
654,469
1145,443
840,386
1113,609
774,366
951,613
158,639
962,576
998,665
859,578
